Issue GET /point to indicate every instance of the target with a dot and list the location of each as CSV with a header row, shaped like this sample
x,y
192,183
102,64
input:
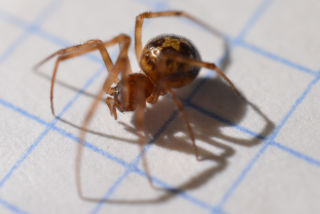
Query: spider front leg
x,y
107,84
142,142
186,120
78,50
121,66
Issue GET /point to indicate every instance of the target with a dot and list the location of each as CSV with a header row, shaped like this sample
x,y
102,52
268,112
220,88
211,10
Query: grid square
x,y
52,168
290,33
150,199
225,150
304,123
278,183
269,96
13,125
12,33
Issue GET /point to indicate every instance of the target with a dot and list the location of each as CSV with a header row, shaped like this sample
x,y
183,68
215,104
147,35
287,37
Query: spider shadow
x,y
220,98
224,100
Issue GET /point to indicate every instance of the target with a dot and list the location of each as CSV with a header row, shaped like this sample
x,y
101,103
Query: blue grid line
x,y
157,181
11,207
296,153
46,12
253,19
23,112
63,43
13,20
13,46
31,28
250,165
217,211
226,121
111,190
19,162
91,147
235,41
277,58
34,29
155,5
47,129
196,201
38,21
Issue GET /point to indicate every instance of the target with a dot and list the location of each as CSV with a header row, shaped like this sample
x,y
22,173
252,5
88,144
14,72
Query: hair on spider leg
x,y
167,62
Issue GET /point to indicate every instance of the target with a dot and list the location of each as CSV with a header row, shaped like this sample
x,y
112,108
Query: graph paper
x,y
261,155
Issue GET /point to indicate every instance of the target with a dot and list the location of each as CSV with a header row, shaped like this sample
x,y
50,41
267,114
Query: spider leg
x,y
120,66
186,120
140,18
140,125
79,50
198,63
112,108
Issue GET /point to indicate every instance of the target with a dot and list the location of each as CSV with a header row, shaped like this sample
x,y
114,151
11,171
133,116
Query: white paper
x,y
260,156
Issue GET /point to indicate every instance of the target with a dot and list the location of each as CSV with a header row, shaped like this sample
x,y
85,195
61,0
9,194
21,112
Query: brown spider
x,y
167,61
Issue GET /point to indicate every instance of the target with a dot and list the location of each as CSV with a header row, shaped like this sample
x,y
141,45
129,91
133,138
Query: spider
x,y
167,62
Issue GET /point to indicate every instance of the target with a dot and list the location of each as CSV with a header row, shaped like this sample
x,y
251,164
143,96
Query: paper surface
x,y
259,156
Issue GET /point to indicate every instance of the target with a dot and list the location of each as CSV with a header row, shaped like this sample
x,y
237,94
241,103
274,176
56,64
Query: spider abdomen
x,y
157,61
